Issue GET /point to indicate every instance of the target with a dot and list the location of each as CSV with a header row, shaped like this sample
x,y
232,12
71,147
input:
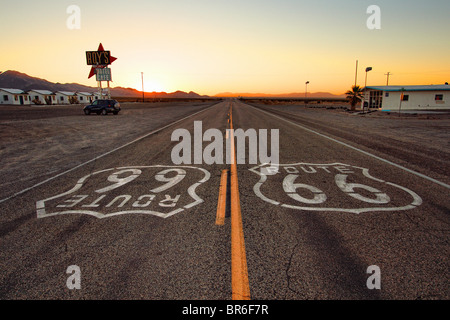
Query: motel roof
x,y
432,87
45,92
66,93
13,91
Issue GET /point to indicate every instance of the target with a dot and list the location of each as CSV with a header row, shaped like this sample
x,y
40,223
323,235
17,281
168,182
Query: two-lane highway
x,y
332,221
332,211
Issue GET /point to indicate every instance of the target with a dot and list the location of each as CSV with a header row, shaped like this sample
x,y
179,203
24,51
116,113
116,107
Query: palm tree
x,y
354,96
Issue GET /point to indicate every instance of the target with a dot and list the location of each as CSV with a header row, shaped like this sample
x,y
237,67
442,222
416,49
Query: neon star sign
x,y
98,59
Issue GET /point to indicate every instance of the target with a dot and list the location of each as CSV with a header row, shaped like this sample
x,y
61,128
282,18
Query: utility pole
x,y
142,76
387,74
356,72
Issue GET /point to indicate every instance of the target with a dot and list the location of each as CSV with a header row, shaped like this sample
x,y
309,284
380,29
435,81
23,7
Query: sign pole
x,y
100,90
99,61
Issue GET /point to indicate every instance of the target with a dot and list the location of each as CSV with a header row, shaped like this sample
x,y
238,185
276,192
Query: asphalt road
x,y
139,226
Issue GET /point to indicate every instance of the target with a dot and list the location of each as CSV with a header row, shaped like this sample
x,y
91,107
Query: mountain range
x,y
17,80
283,95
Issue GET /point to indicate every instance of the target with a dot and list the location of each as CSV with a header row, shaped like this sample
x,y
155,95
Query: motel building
x,y
85,97
408,98
14,96
39,97
65,97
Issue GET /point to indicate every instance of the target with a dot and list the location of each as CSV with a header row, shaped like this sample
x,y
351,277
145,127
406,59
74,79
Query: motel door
x,y
21,100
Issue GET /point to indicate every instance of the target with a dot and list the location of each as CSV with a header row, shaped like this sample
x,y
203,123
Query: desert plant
x,y
73,100
354,96
36,101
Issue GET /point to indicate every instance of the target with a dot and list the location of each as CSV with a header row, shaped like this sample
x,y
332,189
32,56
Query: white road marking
x,y
319,197
361,151
101,156
41,207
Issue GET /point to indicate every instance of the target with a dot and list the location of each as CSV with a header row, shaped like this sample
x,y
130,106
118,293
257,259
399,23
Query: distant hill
x,y
285,95
17,80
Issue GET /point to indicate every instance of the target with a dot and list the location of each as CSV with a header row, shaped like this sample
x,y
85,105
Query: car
x,y
103,106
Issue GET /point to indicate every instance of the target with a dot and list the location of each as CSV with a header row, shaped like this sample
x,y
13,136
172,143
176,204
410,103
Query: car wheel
x,y
87,112
104,112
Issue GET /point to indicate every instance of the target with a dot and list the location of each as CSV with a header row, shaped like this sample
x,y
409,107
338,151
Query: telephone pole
x,y
387,74
142,76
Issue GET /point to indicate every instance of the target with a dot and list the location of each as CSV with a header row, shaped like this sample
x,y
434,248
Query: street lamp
x,y
365,85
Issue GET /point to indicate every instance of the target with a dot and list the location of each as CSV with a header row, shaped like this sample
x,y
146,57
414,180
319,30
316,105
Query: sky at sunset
x,y
213,46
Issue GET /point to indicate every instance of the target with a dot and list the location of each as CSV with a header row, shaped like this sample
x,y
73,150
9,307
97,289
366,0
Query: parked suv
x,y
103,107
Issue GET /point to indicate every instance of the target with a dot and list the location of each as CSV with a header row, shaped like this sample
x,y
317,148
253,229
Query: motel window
x,y
405,97
386,94
81,98
439,97
15,97
62,99
375,99
5,97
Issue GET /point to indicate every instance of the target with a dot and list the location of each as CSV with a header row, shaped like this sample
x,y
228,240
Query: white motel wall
x,y
41,97
10,96
389,98
14,97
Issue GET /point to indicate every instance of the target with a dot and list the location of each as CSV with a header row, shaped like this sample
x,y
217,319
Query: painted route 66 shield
x,y
334,187
156,190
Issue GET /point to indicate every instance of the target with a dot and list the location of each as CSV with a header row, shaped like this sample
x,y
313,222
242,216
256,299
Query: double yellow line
x,y
239,274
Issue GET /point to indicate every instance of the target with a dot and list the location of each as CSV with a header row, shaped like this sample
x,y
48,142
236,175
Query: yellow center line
x,y
239,274
221,203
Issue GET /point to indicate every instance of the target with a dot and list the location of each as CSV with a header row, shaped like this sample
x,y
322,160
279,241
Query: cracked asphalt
x,y
141,227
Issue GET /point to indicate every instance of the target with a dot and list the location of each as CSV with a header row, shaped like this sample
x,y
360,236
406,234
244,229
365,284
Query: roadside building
x,y
41,97
420,98
85,97
98,95
66,97
14,96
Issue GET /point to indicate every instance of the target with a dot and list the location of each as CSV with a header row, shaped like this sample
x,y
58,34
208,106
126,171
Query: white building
x,y
85,97
98,95
42,97
395,98
14,96
65,97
